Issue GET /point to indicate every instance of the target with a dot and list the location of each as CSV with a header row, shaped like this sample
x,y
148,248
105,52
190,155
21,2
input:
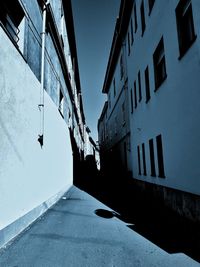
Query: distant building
x,y
41,120
150,122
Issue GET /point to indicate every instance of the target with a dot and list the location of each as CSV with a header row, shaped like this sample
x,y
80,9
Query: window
x,y
13,19
139,163
139,87
151,3
131,92
135,17
114,87
160,157
159,64
109,101
121,67
152,159
115,125
132,39
135,94
143,25
147,86
123,114
129,46
144,160
185,25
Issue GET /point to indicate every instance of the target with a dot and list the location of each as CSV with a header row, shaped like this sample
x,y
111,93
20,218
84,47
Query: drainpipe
x,y
41,105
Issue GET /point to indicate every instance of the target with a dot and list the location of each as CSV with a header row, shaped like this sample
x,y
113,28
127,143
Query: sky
x,y
94,23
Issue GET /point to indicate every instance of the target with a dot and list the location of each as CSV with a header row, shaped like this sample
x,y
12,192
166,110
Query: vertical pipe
x,y
41,105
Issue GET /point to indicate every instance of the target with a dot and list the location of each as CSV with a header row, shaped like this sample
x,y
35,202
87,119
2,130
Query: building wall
x,y
114,126
172,110
29,175
32,178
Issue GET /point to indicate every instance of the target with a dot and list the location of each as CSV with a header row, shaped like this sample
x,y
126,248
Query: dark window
x,y
123,114
132,38
135,94
114,87
147,86
159,64
142,17
121,67
185,25
151,3
144,160
109,101
41,4
139,87
139,163
135,16
152,159
160,156
13,19
131,100
129,45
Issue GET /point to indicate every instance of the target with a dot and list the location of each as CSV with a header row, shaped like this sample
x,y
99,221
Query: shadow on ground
x,y
144,215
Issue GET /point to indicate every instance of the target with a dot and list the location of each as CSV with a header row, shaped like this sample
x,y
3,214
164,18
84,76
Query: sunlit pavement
x,y
80,231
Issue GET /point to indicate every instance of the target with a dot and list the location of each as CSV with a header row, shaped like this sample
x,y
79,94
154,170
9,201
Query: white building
x,y
156,43
40,101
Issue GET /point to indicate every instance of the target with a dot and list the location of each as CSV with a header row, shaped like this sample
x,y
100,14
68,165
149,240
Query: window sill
x,y
182,53
159,85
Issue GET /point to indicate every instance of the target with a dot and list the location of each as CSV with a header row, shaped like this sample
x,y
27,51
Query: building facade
x,y
157,42
42,124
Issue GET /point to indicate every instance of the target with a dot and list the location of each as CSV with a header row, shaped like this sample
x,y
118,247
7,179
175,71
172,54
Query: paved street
x,y
80,231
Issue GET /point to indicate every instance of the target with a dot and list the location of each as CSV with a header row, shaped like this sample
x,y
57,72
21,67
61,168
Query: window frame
x,y
147,84
159,64
144,160
135,94
152,158
132,34
184,9
131,93
135,17
12,15
121,68
139,160
139,87
151,5
142,16
160,157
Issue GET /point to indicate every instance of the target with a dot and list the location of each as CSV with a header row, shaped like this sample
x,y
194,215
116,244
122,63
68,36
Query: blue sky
x,y
94,22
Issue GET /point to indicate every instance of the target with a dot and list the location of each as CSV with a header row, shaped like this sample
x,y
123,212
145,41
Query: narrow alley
x,y
99,133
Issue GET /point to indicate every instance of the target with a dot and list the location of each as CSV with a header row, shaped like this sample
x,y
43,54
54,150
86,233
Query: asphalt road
x,y
81,231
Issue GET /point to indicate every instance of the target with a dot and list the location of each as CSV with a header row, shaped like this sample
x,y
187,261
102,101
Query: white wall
x,y
29,175
173,109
